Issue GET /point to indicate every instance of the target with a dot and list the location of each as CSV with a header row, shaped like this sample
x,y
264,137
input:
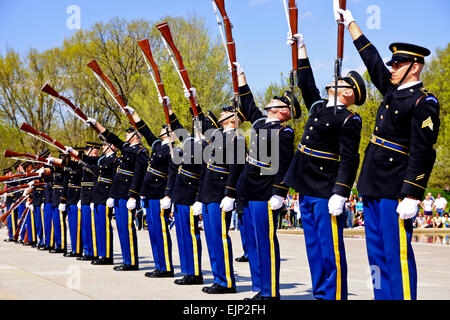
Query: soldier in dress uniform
x,y
38,203
47,226
184,198
73,212
12,218
106,166
158,182
323,172
125,191
218,193
22,206
59,198
261,184
397,163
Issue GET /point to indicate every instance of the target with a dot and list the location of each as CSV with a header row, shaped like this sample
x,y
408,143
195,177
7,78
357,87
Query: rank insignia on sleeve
x,y
420,177
428,123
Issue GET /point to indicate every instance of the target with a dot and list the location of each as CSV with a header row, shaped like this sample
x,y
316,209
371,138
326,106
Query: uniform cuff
x,y
412,189
140,124
361,43
342,189
230,192
281,191
245,89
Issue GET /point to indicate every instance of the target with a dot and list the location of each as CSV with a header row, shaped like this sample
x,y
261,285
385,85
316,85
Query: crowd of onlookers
x,y
432,213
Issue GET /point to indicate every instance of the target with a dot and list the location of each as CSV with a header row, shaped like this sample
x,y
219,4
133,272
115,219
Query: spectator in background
x,y
431,196
436,221
428,223
440,204
419,222
359,206
349,209
292,213
285,224
298,216
427,206
445,220
447,189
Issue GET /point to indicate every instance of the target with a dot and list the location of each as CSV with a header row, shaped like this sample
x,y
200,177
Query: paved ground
x,y
26,273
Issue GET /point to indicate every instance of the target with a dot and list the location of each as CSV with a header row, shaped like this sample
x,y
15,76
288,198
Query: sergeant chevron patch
x,y
420,177
428,123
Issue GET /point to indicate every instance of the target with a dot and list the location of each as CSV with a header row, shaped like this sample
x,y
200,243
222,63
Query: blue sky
x,y
259,28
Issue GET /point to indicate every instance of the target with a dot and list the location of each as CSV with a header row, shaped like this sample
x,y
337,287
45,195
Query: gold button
x,y
387,106
307,137
327,124
396,112
391,159
376,128
381,117
321,168
316,119
310,128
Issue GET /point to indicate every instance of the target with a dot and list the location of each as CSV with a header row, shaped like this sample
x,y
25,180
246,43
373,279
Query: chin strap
x,y
406,73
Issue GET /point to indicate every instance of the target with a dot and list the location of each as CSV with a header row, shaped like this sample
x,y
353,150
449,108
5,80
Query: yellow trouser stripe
x,y
194,241
52,237
272,251
33,230
225,250
404,260
94,239
42,222
13,218
108,244
78,231
166,247
61,222
337,256
130,232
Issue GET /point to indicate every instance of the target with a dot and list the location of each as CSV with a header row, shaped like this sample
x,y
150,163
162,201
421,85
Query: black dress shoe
x,y
45,248
159,274
58,251
40,247
103,261
72,254
151,272
31,243
189,280
9,240
126,267
218,289
260,297
242,259
86,258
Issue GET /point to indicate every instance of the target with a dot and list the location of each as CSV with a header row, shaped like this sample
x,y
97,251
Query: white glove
x,y
347,15
239,69
62,207
79,204
50,160
128,109
110,202
166,98
407,208
68,149
91,121
131,204
298,37
41,171
336,204
92,206
229,66
227,204
197,208
27,204
165,203
276,202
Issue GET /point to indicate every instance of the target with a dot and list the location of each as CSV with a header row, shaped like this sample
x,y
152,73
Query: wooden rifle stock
x,y
99,72
22,186
49,90
13,207
145,47
231,45
9,154
293,21
167,35
341,29
27,128
18,175
21,222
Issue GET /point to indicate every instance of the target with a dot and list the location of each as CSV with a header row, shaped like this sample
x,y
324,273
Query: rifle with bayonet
x,y
340,52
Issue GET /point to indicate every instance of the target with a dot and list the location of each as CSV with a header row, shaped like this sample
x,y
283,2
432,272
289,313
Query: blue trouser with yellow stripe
x,y
48,225
241,223
59,228
12,224
88,231
190,246
30,225
39,223
325,248
127,232
20,210
74,219
104,232
216,223
266,259
158,228
252,251
391,257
